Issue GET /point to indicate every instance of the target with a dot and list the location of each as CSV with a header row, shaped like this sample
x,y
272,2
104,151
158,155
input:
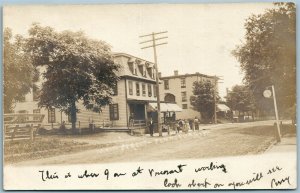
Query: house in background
x,y
179,88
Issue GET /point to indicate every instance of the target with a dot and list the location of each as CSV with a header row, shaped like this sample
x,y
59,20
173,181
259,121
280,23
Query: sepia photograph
x,y
149,96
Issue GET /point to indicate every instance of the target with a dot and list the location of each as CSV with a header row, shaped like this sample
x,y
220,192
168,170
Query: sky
x,y
200,39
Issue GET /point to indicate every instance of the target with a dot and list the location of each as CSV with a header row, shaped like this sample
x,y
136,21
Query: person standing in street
x,y
196,123
151,126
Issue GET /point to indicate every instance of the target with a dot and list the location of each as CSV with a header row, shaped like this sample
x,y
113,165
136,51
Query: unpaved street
x,y
231,140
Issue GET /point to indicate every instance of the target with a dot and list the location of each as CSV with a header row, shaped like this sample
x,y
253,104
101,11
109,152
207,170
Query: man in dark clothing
x,y
151,126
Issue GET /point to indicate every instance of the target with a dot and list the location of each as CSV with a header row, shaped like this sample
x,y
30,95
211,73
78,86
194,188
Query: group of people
x,y
183,125
188,124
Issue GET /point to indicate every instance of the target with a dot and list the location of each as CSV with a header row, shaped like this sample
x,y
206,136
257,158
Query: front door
x,y
138,111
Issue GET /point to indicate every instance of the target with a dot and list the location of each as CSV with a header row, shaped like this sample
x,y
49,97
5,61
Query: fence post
x,y
79,127
14,132
31,132
93,126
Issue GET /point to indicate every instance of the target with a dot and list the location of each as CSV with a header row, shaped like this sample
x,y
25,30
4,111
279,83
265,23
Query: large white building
x,y
178,89
135,95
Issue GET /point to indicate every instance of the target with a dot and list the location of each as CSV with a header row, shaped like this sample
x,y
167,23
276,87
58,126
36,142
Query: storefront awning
x,y
165,107
222,107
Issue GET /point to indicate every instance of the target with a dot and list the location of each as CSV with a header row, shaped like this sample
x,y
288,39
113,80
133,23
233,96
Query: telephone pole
x,y
217,78
153,40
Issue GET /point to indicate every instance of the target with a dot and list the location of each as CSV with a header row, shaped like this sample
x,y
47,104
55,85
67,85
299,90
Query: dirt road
x,y
231,140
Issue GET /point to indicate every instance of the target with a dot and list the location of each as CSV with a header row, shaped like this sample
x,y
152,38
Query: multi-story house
x,y
135,94
179,88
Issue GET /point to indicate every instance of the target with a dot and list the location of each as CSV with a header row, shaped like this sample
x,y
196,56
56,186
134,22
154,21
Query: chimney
x,y
175,72
159,75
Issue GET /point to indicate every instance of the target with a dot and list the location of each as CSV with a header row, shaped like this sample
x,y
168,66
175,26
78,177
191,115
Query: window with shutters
x,y
114,112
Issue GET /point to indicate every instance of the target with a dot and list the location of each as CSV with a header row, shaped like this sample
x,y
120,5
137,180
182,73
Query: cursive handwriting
x,y
174,184
212,166
258,176
204,184
280,182
47,176
166,172
274,169
87,175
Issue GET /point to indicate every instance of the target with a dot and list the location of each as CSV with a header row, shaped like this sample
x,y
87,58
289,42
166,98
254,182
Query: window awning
x,y
165,107
222,107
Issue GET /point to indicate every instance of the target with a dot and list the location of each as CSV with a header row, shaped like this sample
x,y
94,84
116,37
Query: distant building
x,y
179,88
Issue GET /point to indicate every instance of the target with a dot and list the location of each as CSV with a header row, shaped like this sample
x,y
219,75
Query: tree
x,y
202,99
19,73
240,98
268,55
78,69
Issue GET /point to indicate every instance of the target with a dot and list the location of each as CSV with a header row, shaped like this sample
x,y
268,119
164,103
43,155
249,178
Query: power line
x,y
153,40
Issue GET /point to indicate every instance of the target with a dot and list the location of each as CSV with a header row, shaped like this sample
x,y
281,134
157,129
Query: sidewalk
x,y
287,144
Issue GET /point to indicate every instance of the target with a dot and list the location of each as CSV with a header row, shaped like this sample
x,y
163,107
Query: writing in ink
x,y
46,175
179,169
174,184
276,183
257,177
68,175
138,171
194,184
87,174
274,169
119,174
212,166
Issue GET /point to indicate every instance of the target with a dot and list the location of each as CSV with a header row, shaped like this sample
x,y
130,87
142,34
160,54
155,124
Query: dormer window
x,y
150,72
132,66
142,67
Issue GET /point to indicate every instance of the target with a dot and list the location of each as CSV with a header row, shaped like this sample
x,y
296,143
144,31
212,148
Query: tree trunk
x,y
73,116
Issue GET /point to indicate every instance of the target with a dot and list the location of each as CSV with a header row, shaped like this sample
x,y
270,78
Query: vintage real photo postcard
x,y
149,96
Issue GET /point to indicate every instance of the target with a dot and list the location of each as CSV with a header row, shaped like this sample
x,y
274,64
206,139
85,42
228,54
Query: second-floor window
x,y
144,89
137,85
182,81
130,87
183,96
166,83
149,90
184,106
154,90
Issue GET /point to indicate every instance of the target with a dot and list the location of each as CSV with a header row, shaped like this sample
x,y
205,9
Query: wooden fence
x,y
22,126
